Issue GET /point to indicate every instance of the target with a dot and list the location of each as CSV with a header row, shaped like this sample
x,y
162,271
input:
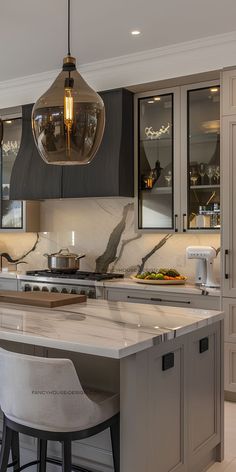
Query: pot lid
x,y
64,253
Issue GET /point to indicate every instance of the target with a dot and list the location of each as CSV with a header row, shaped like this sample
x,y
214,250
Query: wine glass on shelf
x,y
168,178
217,174
210,172
194,175
202,172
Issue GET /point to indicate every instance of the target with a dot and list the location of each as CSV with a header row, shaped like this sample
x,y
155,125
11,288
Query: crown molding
x,y
200,55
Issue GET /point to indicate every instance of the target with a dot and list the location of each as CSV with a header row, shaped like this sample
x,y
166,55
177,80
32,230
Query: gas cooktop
x,y
80,275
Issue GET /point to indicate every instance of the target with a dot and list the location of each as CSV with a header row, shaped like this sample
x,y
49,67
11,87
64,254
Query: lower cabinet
x,y
229,308
176,392
8,284
163,298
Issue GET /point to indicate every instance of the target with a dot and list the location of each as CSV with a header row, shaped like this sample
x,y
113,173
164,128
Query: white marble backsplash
x,y
103,229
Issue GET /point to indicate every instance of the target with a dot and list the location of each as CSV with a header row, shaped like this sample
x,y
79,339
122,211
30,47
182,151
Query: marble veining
x,y
100,327
104,230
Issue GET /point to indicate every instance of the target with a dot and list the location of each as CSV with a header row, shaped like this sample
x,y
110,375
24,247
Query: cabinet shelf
x,y
205,187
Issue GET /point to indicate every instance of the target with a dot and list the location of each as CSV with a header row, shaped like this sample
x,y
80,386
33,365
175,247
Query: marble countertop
x,y
100,327
192,289
125,283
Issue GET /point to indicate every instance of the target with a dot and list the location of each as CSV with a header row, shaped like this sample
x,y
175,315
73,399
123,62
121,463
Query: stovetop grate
x,y
80,275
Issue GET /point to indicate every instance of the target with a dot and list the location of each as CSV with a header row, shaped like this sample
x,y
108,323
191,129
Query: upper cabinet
x,y
15,215
110,174
178,159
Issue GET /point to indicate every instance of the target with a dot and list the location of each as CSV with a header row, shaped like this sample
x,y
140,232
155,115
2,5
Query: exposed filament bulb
x,y
68,110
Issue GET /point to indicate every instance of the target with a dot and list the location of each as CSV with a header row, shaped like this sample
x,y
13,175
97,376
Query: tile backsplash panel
x,y
103,229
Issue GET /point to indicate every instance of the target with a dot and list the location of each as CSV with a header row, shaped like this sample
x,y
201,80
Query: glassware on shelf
x,y
210,172
194,175
168,178
202,172
217,174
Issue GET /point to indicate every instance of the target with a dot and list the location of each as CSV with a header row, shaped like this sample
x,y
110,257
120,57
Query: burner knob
x,y
27,288
91,294
45,289
36,288
64,290
54,290
73,291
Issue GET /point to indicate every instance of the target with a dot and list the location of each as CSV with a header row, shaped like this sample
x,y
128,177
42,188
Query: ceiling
x,y
33,32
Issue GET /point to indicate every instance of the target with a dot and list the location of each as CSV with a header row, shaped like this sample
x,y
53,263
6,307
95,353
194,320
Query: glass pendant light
x,y
68,120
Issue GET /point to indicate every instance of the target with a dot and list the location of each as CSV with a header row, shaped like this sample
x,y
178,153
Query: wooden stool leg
x,y
15,450
6,447
115,442
66,456
42,455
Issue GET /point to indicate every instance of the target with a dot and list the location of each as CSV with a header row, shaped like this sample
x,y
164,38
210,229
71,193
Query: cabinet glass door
x,y
203,122
155,162
11,211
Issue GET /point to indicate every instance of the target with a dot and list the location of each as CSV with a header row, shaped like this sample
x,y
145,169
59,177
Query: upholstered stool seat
x,y
44,398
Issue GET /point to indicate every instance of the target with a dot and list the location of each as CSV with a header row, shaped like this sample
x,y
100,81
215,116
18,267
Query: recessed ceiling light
x,y
214,89
157,99
8,122
135,32
150,101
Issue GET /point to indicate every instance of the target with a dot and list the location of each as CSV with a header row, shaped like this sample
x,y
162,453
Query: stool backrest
x,y
42,393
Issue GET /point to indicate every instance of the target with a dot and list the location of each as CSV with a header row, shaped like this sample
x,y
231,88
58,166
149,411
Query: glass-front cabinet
x,y
14,215
11,211
178,159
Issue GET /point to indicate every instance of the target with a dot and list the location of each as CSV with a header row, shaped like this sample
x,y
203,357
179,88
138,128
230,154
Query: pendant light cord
x,y
68,28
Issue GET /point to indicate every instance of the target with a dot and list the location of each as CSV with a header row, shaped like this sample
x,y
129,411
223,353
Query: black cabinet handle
x,y
203,345
176,219
168,361
184,228
226,254
138,298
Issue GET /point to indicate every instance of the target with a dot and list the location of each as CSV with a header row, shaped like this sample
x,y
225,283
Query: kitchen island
x,y
166,362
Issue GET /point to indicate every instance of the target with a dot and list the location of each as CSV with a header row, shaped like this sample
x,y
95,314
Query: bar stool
x,y
44,398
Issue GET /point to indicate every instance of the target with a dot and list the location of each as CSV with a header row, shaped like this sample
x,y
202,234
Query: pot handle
x,y
63,250
80,257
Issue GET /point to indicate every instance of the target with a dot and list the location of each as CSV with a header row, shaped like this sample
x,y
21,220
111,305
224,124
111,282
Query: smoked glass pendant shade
x,y
68,120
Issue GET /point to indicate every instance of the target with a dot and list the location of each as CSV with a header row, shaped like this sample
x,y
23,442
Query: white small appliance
x,y
205,256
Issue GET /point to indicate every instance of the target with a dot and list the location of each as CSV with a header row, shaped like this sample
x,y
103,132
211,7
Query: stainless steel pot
x,y
64,261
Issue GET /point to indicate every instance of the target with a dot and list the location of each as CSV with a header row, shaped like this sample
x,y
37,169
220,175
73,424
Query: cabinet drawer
x,y
8,284
166,298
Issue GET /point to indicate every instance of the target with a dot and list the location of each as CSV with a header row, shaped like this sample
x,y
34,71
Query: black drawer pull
x,y
203,345
138,298
168,361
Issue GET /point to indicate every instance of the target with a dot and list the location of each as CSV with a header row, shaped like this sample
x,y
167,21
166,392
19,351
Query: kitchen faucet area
x,y
118,236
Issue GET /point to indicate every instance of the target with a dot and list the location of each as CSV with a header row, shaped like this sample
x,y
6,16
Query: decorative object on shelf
x,y
150,133
11,147
148,180
210,171
68,120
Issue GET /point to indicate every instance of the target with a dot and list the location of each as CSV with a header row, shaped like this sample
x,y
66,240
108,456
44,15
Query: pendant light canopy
x,y
68,120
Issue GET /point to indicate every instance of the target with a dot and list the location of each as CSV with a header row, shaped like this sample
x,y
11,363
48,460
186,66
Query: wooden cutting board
x,y
43,299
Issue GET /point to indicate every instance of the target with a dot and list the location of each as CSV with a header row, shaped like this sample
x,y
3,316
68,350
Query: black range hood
x,y
110,174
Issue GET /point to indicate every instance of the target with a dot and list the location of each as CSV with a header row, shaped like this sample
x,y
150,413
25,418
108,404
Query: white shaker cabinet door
x,y
229,206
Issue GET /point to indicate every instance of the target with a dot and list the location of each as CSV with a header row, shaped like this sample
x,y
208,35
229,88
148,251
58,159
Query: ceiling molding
x,y
201,55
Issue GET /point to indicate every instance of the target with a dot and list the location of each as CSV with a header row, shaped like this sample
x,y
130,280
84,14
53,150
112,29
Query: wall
x,y
103,229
